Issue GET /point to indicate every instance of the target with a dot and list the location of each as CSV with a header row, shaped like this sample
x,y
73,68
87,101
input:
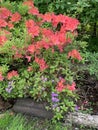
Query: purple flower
x,y
9,89
77,108
60,78
10,83
44,79
54,106
54,99
54,94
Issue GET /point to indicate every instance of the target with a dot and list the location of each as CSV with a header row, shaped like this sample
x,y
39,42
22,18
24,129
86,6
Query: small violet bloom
x,y
44,79
54,94
77,108
10,83
55,100
54,97
54,106
9,89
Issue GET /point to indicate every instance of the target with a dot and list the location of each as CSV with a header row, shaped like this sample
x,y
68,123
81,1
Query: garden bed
x,y
42,57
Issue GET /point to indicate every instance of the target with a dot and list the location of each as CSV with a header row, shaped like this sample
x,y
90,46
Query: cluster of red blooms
x,y
32,9
61,85
41,63
49,38
11,74
75,54
1,77
7,19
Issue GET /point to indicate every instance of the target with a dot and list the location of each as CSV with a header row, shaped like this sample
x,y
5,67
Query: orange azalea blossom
x,y
5,32
31,48
1,77
3,23
11,74
29,3
43,44
3,39
17,55
34,11
4,13
33,29
41,63
46,32
60,85
10,25
16,17
30,24
28,58
14,48
47,17
75,54
57,19
71,87
29,69
71,23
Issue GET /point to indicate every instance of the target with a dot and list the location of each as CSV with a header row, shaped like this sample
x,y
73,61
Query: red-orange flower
x,y
41,63
17,55
1,77
47,17
3,39
71,87
3,23
75,54
10,25
4,13
34,31
71,23
11,74
30,24
29,68
15,17
31,48
61,85
28,58
34,11
29,3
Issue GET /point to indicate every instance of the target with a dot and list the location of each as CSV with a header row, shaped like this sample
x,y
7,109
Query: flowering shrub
x,y
37,52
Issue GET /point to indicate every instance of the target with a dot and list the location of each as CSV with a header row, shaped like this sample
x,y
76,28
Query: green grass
x,y
19,122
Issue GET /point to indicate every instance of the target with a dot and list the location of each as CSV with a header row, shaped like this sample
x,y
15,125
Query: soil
x,y
5,105
88,93
87,90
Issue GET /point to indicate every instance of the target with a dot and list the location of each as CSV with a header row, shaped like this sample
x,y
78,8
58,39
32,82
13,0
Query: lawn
x,y
12,121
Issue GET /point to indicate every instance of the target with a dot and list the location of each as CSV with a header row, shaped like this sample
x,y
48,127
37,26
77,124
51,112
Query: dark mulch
x,y
88,93
5,104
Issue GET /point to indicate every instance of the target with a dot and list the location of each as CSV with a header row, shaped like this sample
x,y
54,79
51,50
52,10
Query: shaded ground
x,y
88,94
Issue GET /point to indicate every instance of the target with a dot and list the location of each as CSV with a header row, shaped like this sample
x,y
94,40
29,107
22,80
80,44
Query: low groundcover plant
x,y
37,52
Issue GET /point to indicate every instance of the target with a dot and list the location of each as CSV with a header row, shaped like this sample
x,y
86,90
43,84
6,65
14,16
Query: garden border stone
x,y
28,107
